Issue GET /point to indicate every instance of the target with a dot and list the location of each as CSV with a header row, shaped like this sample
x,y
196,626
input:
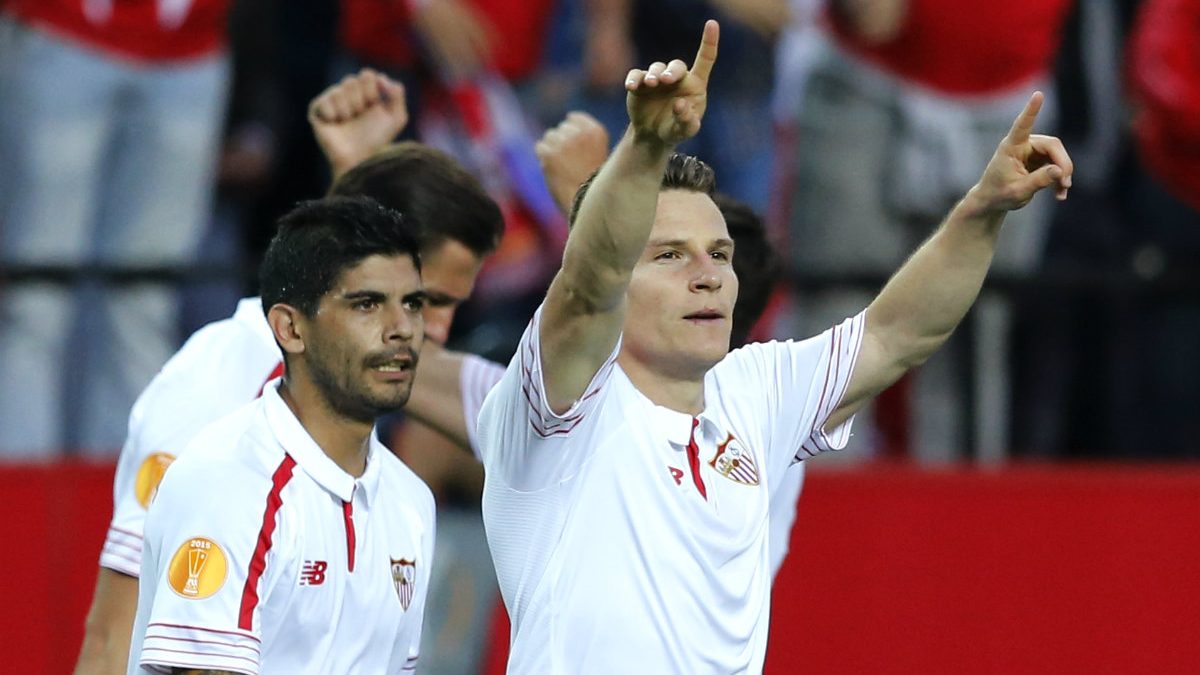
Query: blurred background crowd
x,y
147,146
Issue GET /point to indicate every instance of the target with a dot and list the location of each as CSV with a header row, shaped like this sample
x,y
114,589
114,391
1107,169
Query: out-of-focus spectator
x,y
899,112
1164,74
110,120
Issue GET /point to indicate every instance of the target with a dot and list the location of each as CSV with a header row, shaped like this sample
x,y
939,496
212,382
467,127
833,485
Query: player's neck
x,y
344,440
679,391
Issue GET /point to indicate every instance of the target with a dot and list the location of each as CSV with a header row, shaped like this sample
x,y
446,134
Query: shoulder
x,y
231,459
220,367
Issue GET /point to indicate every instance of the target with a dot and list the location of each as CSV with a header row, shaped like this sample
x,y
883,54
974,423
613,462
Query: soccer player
x,y
286,538
630,458
574,150
225,365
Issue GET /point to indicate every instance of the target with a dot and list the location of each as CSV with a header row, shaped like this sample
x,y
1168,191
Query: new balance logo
x,y
313,573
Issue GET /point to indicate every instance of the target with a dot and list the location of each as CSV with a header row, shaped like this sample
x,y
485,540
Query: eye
x,y
667,255
365,304
723,256
414,304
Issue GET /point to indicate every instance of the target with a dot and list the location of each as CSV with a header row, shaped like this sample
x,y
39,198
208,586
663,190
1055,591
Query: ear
x,y
288,325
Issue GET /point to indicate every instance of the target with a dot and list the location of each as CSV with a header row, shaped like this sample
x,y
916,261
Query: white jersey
x,y
262,555
782,509
479,376
628,537
219,369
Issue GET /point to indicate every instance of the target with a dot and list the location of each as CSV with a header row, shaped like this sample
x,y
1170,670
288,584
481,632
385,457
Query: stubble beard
x,y
346,400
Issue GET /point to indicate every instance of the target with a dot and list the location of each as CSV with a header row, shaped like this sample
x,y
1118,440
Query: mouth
x,y
705,316
396,367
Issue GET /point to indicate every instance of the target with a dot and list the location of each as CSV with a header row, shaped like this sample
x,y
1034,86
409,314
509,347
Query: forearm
x,y
436,398
108,626
930,294
613,224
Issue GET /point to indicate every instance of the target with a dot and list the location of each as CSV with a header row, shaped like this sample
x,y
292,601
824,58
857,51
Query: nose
x,y
706,276
403,325
437,323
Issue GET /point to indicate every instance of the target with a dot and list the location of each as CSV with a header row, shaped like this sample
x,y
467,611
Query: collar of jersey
x,y
677,426
297,442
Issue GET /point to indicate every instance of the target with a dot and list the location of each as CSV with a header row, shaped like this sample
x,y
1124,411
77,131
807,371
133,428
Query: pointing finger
x,y
707,55
1023,125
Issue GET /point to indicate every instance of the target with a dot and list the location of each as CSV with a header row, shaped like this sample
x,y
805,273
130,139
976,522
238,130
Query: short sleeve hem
x,y
544,421
169,645
845,341
122,551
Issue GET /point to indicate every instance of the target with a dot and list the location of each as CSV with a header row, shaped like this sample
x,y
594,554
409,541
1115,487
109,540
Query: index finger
x,y
707,55
1023,125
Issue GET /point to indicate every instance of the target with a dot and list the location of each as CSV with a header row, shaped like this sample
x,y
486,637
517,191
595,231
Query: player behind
x,y
286,538
225,365
630,457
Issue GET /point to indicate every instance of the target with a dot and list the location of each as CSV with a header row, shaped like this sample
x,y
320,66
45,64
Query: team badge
x,y
735,462
197,569
404,576
149,475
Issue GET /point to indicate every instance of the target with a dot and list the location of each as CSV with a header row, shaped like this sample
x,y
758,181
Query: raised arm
x,y
585,306
569,153
354,118
922,304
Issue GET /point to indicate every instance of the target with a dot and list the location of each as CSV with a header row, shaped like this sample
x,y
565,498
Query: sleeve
x,y
477,378
217,371
793,387
210,572
138,472
522,440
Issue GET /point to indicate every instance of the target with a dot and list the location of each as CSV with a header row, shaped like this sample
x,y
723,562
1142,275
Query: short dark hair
x,y
683,172
754,262
320,239
438,198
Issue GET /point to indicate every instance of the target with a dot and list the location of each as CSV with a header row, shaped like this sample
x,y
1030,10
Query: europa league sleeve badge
x,y
197,569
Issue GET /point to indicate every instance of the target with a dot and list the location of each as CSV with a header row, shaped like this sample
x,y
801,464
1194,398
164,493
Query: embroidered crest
x,y
735,462
404,576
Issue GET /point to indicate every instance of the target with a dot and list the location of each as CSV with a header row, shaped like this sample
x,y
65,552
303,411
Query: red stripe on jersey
x,y
258,563
693,455
348,513
277,371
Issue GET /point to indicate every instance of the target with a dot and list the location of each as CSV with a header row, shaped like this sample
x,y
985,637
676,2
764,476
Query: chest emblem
x,y
735,462
404,576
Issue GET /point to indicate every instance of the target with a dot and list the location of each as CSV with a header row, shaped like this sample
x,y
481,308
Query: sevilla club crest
x,y
404,576
735,462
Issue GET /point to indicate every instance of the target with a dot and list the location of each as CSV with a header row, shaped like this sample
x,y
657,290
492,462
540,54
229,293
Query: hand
x,y
1023,165
459,37
569,154
356,117
667,101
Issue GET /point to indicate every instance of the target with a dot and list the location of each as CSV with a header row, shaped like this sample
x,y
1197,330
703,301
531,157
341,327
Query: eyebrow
x,y
679,243
379,296
421,295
